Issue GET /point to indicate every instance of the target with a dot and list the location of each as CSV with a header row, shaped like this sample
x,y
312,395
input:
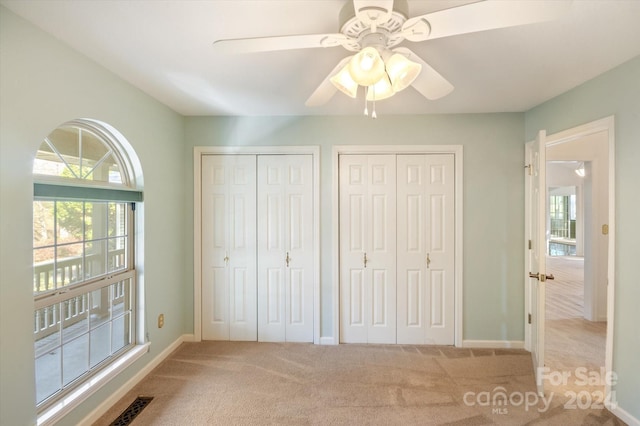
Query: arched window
x,y
84,280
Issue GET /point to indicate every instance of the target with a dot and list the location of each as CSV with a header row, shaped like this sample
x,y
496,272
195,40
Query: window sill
x,y
63,407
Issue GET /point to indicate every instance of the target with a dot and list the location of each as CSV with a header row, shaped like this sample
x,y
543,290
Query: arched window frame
x,y
109,284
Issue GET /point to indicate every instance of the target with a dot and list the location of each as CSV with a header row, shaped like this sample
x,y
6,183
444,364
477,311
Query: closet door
x,y
426,249
229,247
367,248
285,248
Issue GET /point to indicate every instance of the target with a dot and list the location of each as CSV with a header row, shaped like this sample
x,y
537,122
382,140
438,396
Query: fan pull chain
x,y
373,114
366,92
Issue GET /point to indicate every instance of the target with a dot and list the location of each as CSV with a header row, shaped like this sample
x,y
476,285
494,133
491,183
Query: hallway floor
x,y
575,347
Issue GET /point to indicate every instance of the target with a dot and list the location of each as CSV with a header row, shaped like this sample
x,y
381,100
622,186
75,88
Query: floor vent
x,y
132,411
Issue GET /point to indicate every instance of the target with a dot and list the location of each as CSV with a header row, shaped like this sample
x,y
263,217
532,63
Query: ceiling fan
x,y
373,29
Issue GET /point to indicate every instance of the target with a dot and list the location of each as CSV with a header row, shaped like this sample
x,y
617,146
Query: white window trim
x,y
456,150
66,404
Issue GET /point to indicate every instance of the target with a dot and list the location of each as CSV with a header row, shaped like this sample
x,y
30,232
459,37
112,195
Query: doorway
x,y
595,141
577,181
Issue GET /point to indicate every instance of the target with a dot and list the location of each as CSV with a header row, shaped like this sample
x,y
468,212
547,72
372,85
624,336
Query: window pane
x,y
69,215
121,297
121,335
46,329
43,223
69,264
48,375
117,254
93,156
75,319
75,358
95,259
100,344
100,303
47,351
95,220
43,277
58,155
117,219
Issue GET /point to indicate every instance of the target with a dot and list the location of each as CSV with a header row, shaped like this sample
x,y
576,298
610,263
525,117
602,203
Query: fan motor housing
x,y
389,32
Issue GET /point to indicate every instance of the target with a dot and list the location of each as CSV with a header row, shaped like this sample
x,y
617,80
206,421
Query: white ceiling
x,y
165,49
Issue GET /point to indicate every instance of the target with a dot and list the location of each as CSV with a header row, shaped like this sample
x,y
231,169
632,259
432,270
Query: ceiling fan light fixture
x,y
402,71
380,90
343,82
367,66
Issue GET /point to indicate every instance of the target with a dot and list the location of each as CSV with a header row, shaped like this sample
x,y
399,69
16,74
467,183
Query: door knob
x,y
365,260
226,258
287,259
540,277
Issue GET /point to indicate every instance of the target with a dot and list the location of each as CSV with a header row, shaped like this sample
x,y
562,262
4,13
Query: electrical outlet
x,y
160,320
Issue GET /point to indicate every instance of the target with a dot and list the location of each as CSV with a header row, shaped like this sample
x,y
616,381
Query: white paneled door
x,y
367,248
397,249
425,253
285,248
258,256
537,226
229,247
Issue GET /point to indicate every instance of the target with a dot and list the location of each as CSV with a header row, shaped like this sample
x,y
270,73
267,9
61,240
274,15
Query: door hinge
x,y
529,318
529,169
529,244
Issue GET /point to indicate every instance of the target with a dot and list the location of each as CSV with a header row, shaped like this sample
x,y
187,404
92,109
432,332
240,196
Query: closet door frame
x,y
200,151
456,150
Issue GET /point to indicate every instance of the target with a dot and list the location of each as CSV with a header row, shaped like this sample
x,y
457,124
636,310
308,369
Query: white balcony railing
x,y
68,271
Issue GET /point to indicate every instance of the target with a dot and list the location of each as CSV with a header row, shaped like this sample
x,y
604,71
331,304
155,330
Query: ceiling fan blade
x,y
267,44
481,16
429,82
326,89
373,12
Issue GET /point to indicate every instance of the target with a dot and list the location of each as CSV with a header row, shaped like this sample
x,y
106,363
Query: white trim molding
x,y
493,344
622,414
327,341
457,151
198,152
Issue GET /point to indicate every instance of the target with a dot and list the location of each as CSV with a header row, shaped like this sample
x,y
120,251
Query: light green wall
x,y
493,195
43,83
617,93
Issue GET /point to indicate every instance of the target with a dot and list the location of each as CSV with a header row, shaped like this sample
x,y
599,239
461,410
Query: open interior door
x,y
536,227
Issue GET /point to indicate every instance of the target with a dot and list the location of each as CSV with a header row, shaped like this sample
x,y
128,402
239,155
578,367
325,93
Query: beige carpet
x,y
242,383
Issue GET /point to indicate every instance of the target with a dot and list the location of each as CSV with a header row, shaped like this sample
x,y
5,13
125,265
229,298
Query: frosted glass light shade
x,y
366,67
381,90
343,81
402,72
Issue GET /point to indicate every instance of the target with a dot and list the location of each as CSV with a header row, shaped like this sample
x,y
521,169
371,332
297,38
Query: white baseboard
x,y
188,338
327,341
493,344
624,415
97,412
